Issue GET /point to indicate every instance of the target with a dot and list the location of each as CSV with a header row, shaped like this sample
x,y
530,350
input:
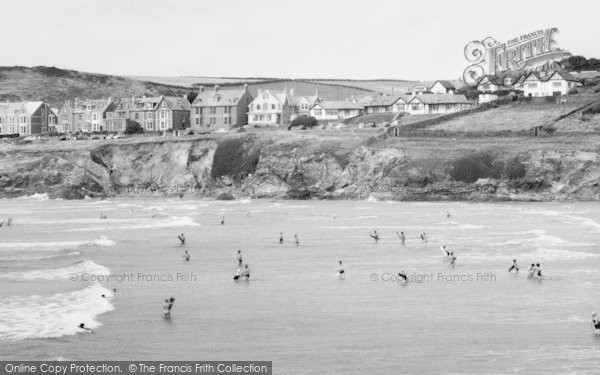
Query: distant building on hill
x,y
220,109
25,118
270,108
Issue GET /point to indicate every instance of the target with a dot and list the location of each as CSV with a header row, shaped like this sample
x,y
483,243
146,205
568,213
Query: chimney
x,y
217,88
291,92
200,89
245,87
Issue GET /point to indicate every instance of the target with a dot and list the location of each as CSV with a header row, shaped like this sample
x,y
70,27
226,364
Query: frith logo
x,y
536,51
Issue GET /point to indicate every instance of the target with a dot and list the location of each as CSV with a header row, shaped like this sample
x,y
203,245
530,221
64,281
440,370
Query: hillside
x,y
55,85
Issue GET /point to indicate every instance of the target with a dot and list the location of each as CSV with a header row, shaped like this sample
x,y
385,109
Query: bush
x,y
514,169
133,127
595,109
473,167
303,121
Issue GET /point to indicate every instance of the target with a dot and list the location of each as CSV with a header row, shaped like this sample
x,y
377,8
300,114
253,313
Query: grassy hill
x,y
55,85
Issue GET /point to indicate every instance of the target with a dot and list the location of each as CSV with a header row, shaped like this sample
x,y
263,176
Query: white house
x,y
489,84
379,103
269,109
557,83
301,105
401,104
437,104
443,87
337,110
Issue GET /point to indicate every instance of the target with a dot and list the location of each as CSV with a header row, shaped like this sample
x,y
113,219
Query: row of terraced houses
x,y
216,108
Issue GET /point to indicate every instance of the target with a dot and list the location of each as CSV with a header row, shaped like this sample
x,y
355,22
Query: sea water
x,y
60,264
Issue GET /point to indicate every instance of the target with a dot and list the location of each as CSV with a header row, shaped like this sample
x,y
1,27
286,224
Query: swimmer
x,y
9,222
82,326
539,270
445,251
447,214
223,220
239,258
531,271
402,276
595,321
237,275
514,266
402,238
186,256
340,269
181,238
296,240
424,237
375,236
280,238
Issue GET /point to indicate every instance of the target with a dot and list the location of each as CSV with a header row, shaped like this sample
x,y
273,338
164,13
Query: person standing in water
x,y
296,240
514,266
402,238
447,215
375,236
280,238
538,269
168,306
595,322
223,220
181,239
340,269
186,256
239,258
531,271
452,259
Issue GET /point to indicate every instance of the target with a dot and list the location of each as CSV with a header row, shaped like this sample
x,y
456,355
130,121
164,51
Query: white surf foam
x,y
155,222
80,268
101,241
558,254
38,257
55,316
34,197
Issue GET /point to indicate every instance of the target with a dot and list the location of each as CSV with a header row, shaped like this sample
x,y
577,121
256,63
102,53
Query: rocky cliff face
x,y
298,168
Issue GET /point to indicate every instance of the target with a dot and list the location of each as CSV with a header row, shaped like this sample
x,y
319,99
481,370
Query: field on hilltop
x,y
54,85
189,81
327,91
383,86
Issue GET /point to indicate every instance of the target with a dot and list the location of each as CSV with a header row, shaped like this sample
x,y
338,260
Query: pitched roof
x,y
10,107
566,76
441,99
340,104
210,98
31,107
446,84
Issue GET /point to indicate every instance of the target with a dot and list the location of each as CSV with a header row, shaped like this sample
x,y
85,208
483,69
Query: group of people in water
x,y
243,272
534,271
8,222
449,256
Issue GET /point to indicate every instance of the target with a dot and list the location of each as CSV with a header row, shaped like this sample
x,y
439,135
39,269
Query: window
x,y
273,106
197,121
317,112
213,121
213,110
556,84
255,118
149,115
532,85
258,107
226,110
265,96
401,107
268,117
137,116
416,106
226,120
331,112
197,111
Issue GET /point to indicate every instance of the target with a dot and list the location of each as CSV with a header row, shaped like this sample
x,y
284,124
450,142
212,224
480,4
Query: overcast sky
x,y
362,39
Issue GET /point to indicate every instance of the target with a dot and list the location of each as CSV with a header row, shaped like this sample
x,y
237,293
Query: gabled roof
x,y
210,98
339,104
440,99
566,76
31,107
446,84
10,108
404,98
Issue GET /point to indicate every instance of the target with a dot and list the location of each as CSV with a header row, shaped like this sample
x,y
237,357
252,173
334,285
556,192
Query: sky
x,y
342,39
